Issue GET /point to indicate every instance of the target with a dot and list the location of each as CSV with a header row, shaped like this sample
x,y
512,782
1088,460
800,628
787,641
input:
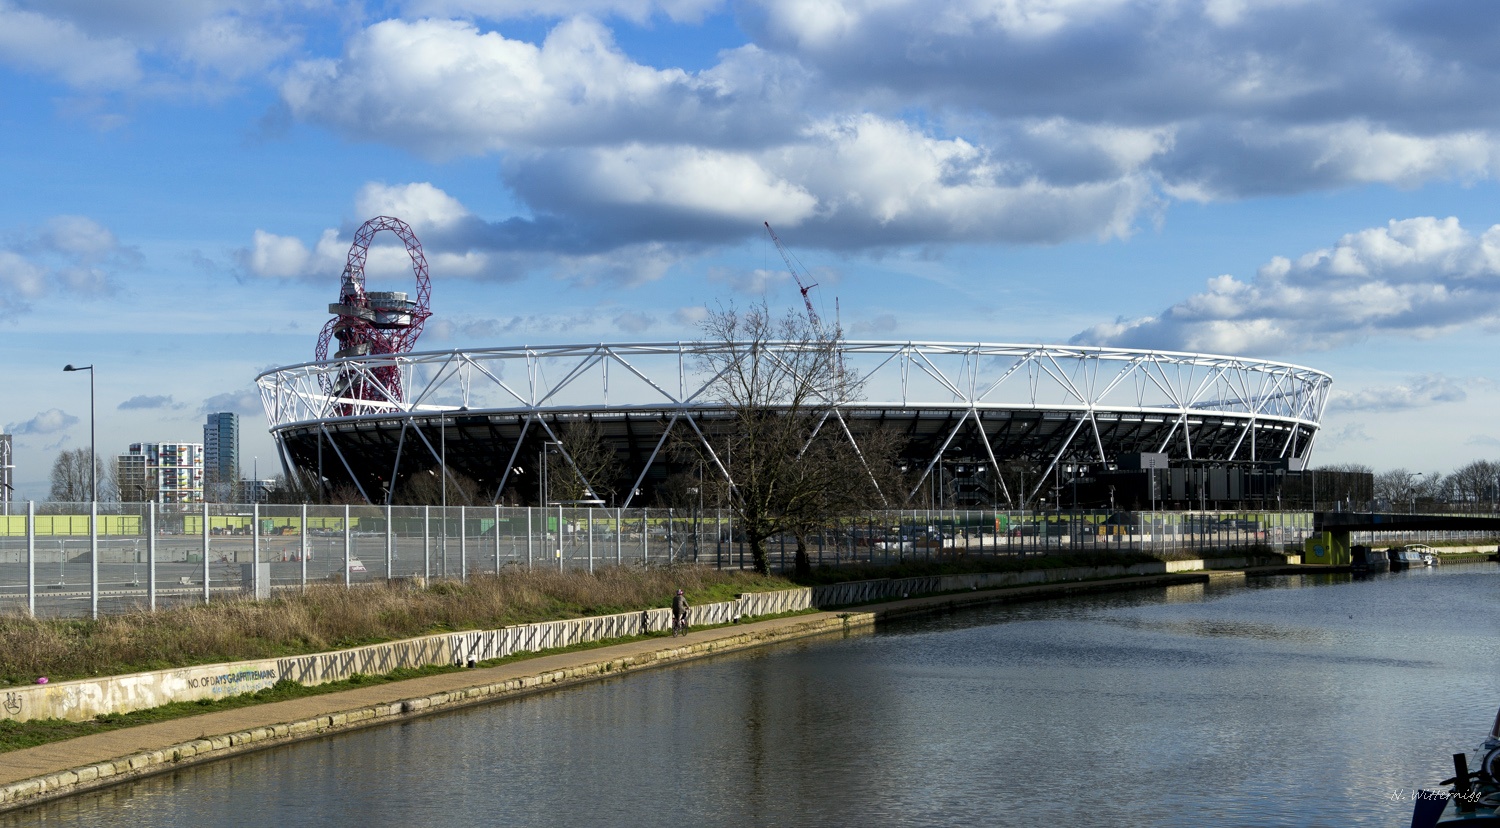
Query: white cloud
x,y
876,123
1413,277
51,421
634,322
639,11
153,47
855,182
147,401
1342,436
443,87
33,41
284,257
20,281
449,233
72,254
690,317
470,264
631,265
233,47
79,236
684,180
419,204
882,325
1417,392
243,401
756,282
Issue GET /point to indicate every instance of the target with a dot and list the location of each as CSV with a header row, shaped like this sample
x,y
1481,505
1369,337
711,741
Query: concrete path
x,y
39,774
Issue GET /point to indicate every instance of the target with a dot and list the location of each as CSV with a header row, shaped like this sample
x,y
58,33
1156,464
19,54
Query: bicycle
x,y
680,626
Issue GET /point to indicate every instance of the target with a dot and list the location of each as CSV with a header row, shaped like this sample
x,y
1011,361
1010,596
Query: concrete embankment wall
x,y
477,687
85,699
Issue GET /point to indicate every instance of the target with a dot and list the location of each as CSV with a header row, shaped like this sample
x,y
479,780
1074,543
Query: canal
x,y
1300,700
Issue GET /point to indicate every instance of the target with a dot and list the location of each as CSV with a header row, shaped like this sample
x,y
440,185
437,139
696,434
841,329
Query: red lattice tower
x,y
374,324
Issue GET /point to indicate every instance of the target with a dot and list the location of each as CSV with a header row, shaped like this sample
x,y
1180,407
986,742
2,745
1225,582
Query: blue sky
x,y
1301,181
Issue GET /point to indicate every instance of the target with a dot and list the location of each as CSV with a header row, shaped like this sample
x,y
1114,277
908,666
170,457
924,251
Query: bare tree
x,y
70,477
588,468
1398,487
301,486
843,476
789,461
427,489
1473,487
1430,489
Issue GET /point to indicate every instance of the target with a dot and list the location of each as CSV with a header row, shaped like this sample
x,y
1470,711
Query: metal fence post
x,y
559,538
645,537
530,537
619,536
588,520
94,558
463,547
204,527
348,543
254,548
390,545
151,555
303,556
31,558
426,542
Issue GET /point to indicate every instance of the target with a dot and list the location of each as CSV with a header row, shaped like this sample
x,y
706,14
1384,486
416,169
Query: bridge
x,y
1329,543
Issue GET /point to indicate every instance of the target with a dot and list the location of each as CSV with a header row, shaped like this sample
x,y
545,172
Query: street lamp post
x,y
93,500
93,475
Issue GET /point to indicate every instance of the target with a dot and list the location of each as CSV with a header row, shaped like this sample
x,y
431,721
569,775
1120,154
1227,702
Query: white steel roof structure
x,y
485,412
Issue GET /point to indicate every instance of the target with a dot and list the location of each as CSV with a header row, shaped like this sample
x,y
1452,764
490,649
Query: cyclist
x,y
679,613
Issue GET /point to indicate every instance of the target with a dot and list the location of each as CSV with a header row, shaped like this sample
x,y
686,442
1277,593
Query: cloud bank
x,y
867,126
1417,277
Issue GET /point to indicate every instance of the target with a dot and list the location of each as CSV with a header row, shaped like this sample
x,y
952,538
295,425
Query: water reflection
x,y
1294,702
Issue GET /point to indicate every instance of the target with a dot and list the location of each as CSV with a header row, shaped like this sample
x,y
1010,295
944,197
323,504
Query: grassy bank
x,y
330,617
19,735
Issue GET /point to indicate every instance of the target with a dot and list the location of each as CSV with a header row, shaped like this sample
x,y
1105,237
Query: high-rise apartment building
x,y
221,456
169,473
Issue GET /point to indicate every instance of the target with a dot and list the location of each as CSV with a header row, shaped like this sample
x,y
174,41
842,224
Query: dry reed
x,y
328,617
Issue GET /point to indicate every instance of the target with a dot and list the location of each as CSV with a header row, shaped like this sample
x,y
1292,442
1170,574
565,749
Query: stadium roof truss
x,y
991,403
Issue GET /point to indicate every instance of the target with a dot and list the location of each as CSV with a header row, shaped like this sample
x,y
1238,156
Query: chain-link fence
x,y
70,559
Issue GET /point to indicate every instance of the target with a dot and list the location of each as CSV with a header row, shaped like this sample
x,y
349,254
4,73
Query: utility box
x,y
255,581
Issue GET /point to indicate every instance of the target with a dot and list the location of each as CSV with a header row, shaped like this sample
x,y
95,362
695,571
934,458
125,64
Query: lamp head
x,y
78,368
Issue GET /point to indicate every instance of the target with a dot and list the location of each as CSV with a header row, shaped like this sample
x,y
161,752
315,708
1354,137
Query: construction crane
x,y
812,315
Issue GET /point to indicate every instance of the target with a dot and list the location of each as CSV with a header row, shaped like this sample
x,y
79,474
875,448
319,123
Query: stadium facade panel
x,y
489,414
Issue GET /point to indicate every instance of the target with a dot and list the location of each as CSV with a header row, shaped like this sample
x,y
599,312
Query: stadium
x,y
981,424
